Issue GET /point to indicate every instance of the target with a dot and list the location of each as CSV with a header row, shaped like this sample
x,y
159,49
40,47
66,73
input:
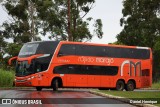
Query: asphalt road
x,y
61,98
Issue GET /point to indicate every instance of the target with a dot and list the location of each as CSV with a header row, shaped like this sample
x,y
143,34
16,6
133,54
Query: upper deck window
x,y
44,47
28,49
103,51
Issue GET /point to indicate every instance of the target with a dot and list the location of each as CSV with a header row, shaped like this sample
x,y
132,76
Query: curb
x,y
16,88
122,99
150,88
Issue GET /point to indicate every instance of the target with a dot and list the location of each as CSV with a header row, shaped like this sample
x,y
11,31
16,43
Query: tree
x,y
31,17
2,47
23,24
141,22
156,62
57,21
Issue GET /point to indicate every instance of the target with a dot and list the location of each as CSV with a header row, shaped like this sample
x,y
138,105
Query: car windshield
x,y
24,69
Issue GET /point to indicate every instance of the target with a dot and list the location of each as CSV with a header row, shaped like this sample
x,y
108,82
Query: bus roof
x,y
98,44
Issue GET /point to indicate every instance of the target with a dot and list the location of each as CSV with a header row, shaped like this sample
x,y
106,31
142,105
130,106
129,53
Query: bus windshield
x,y
23,68
28,49
32,48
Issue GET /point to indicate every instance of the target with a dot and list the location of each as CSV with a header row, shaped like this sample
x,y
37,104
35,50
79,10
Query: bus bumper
x,y
25,82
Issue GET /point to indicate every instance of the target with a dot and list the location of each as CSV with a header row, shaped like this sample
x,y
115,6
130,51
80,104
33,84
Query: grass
x,y
156,85
136,95
6,78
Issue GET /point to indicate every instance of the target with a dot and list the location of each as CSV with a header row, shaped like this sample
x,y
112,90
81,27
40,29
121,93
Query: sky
x,y
109,11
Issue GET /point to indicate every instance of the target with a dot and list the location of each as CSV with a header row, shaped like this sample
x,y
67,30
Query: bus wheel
x,y
39,88
55,85
130,86
120,85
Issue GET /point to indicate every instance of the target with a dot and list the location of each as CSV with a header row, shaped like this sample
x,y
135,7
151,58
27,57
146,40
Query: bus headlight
x,y
28,78
31,78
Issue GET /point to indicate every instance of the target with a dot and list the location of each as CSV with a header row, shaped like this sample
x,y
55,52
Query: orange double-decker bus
x,y
87,65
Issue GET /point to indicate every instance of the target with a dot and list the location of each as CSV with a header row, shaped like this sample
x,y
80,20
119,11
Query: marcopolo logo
x,y
107,61
136,66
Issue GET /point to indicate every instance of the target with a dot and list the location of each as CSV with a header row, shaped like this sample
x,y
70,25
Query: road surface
x,y
61,98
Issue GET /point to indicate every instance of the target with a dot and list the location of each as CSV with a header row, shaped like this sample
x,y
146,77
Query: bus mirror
x,y
11,59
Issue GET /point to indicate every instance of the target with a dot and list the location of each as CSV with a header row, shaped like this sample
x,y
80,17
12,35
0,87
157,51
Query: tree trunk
x,y
69,23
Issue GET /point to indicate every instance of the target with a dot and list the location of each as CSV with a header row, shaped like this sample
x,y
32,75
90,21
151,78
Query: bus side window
x,y
66,49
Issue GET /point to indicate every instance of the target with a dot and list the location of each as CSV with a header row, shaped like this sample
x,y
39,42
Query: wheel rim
x,y
130,86
120,86
56,84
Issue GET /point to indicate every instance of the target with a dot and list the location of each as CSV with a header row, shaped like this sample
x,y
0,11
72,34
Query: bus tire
x,y
39,88
120,85
55,85
130,86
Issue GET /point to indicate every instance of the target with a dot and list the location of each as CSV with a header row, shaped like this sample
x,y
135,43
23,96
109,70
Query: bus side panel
x,y
146,74
76,80
108,81
94,80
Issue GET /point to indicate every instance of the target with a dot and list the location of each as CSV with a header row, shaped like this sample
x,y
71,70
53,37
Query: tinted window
x,y
88,50
115,52
127,53
86,70
104,51
67,49
28,49
45,47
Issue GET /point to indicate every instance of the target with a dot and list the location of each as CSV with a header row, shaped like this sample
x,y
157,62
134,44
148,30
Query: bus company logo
x,y
136,66
83,59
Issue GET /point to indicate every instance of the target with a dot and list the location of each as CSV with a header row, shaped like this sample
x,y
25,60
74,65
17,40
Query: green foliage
x,y
6,78
24,23
29,18
13,49
141,22
116,43
156,85
134,94
98,28
56,23
10,50
33,17
156,62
